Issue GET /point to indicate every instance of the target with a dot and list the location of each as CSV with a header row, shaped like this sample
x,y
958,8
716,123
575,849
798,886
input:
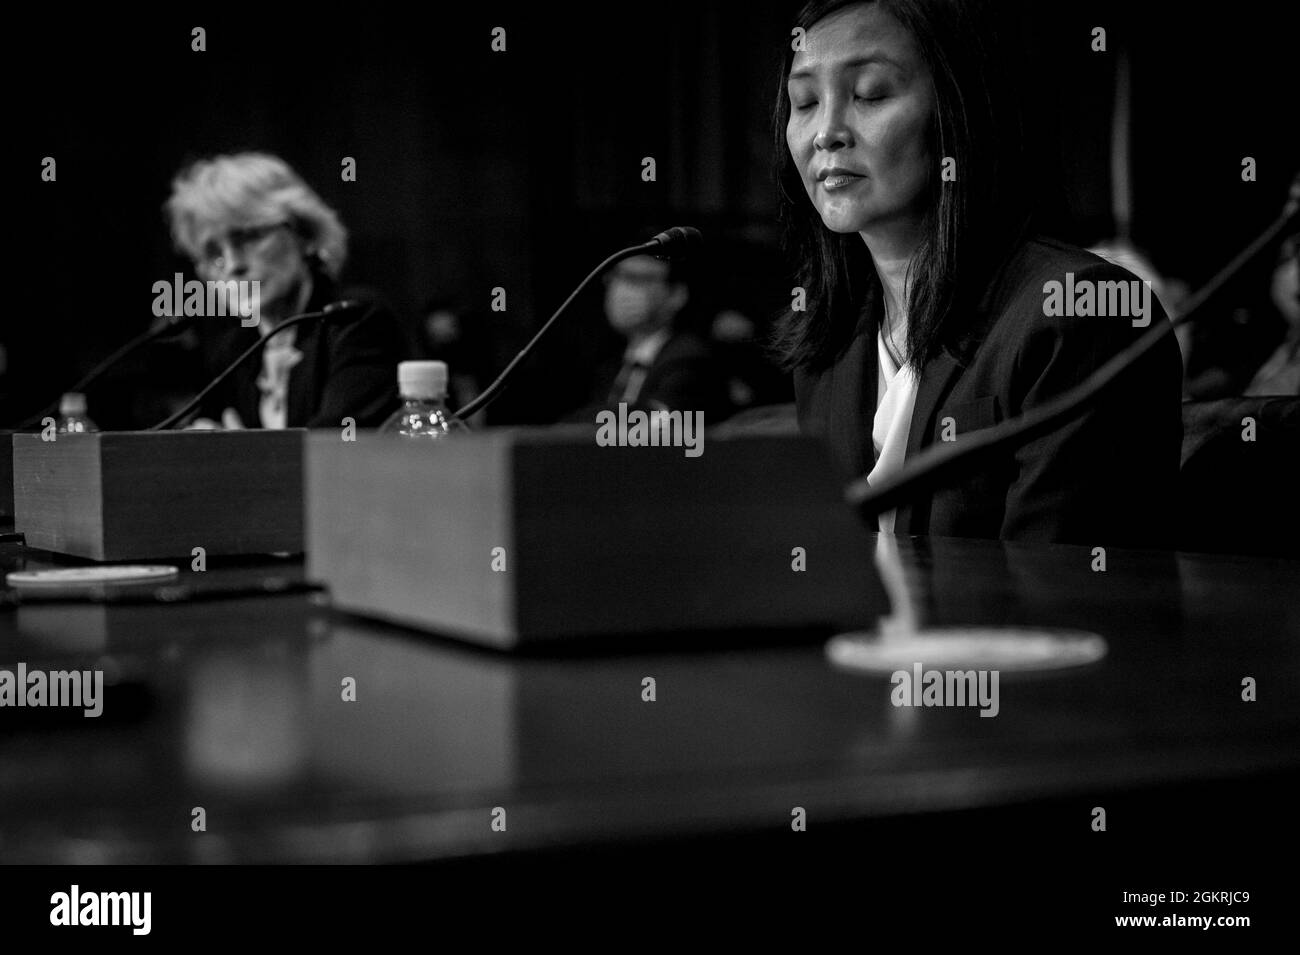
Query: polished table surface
x,y
233,703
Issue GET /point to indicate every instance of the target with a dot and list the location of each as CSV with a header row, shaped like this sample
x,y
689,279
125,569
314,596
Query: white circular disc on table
x,y
967,648
80,576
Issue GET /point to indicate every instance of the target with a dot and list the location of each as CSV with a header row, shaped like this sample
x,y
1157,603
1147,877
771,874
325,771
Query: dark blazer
x,y
684,376
348,368
1108,477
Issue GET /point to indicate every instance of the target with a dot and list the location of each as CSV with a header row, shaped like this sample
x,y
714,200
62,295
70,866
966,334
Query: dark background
x,y
522,169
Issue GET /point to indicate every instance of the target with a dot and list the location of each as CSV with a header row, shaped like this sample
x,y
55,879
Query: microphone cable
x,y
251,350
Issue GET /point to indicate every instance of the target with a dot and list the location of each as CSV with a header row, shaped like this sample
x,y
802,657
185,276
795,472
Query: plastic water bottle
x,y
424,414
72,415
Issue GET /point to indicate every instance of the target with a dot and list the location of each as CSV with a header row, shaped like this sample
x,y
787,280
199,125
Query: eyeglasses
x,y
213,256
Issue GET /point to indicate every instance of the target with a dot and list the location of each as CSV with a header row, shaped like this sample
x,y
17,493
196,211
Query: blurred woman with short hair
x,y
249,217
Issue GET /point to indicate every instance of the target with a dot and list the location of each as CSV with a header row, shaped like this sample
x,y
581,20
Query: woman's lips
x,y
840,181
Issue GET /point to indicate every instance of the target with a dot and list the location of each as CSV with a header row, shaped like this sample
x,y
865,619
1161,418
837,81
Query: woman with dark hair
x,y
928,309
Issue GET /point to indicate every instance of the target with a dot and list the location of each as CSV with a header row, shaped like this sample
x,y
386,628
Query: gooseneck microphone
x,y
294,320
677,242
144,338
937,464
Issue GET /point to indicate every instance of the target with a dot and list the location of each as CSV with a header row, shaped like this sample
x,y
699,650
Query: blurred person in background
x,y
665,365
250,217
1280,374
1256,353
1170,291
752,379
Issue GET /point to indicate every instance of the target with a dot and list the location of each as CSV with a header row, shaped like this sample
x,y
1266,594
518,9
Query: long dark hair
x,y
970,223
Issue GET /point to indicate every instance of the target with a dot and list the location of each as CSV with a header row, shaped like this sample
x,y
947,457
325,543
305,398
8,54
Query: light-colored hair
x,y
248,189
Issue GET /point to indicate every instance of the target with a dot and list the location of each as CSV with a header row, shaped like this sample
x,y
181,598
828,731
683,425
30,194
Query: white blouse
x,y
895,398
278,358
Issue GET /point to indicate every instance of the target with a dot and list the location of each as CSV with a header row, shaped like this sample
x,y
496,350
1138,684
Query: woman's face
x,y
861,100
639,297
269,253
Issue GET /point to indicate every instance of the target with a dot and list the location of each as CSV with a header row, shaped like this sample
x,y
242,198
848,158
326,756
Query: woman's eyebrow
x,y
855,63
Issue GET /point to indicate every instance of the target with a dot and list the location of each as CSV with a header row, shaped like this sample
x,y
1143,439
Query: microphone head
x,y
680,240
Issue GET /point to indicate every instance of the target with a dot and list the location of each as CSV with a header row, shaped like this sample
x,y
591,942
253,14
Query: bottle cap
x,y
72,403
422,379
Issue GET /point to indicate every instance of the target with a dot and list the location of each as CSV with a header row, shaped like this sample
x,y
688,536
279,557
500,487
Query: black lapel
x,y
302,376
863,400
937,379
309,339
242,386
871,386
852,399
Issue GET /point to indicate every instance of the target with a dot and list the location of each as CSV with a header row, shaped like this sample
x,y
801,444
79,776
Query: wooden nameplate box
x,y
139,495
517,536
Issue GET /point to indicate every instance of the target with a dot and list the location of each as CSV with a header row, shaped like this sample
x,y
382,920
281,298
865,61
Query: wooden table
x,y
235,705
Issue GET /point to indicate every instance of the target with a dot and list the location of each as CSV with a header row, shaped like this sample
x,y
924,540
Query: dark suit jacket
x,y
1108,477
684,376
348,368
